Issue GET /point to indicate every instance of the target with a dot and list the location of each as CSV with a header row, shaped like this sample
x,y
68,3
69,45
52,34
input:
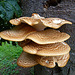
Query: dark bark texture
x,y
66,10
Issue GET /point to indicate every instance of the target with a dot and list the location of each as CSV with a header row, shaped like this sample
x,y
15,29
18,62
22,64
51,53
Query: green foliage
x,y
8,53
32,71
8,58
8,8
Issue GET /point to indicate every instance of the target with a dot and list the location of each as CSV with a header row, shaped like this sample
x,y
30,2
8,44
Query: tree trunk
x,y
66,10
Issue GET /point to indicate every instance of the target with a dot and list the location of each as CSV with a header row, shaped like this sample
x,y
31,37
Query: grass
x,y
8,58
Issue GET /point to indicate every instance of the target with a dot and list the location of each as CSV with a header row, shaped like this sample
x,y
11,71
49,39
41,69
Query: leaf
x,y
9,8
16,7
2,12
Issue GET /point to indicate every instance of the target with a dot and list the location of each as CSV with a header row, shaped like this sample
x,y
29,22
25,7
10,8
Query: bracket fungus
x,y
26,60
44,47
49,61
48,36
18,33
40,23
53,49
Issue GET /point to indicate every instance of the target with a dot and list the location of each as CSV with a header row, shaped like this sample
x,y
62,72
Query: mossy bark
x,y
66,10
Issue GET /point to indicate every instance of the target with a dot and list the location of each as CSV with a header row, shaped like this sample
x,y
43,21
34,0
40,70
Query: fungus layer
x,y
49,61
54,49
26,60
18,33
40,23
48,36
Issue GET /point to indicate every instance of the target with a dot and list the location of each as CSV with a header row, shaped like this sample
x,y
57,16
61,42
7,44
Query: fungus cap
x,y
18,33
49,61
28,20
40,23
54,22
26,60
48,36
54,49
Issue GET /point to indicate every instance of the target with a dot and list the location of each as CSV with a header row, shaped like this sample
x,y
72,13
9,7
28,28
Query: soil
x,y
24,71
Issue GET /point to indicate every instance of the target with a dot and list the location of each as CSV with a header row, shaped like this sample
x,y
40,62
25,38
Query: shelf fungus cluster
x,y
44,47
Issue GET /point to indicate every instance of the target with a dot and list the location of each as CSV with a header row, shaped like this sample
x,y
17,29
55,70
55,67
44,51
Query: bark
x,y
66,10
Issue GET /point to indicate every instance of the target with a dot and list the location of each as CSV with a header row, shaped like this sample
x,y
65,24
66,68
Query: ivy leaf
x,y
16,7
9,8
2,12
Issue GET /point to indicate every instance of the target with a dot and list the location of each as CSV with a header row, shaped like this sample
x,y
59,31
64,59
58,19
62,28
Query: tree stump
x,y
65,10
